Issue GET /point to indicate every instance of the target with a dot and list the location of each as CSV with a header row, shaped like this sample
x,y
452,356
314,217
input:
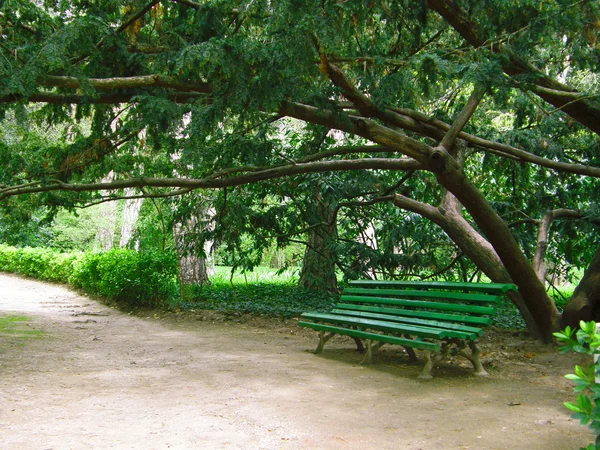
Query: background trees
x,y
481,118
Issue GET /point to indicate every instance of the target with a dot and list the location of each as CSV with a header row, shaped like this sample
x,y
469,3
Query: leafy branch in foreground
x,y
586,409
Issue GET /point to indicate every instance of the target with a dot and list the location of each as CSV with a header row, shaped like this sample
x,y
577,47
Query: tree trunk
x,y
318,266
584,304
105,236
129,216
475,247
194,265
539,258
498,234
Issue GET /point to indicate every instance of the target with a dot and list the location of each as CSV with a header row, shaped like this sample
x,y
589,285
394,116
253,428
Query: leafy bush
x,y
268,299
8,258
136,279
40,263
508,316
587,407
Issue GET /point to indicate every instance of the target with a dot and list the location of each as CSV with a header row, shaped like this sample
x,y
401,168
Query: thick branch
x,y
360,126
586,112
423,125
475,246
214,183
504,149
499,236
462,119
403,118
102,99
128,83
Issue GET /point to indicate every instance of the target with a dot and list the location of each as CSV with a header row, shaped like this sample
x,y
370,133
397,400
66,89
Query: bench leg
x,y
412,357
323,338
359,345
426,372
368,359
474,358
431,359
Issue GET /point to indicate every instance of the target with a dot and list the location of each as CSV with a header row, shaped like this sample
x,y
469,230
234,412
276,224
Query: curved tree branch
x,y
586,111
504,149
214,183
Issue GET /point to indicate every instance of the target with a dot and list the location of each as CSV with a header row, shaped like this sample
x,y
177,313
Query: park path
x,y
102,379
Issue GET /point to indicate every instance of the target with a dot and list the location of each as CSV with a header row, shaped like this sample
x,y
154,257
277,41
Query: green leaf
x,y
571,406
584,403
572,377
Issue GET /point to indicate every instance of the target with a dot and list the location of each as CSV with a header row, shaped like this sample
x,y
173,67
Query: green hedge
x,y
128,277
40,263
138,279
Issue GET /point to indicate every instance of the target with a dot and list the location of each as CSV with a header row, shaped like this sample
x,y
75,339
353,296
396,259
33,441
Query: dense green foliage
x,y
129,277
587,407
324,123
40,263
284,300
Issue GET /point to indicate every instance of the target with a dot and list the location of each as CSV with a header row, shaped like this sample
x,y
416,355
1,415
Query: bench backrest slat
x,y
441,295
494,288
433,305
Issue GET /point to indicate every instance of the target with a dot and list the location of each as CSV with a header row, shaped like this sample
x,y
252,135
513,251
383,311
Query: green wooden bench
x,y
439,318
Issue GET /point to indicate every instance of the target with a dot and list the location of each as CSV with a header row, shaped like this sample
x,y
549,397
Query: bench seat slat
x,y
422,345
375,324
495,288
406,293
425,322
393,327
473,320
471,309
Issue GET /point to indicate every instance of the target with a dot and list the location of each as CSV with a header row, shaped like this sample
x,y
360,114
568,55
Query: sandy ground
x,y
99,378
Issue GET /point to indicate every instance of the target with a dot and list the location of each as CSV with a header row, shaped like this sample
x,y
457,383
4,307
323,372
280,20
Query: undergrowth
x,y
148,280
275,299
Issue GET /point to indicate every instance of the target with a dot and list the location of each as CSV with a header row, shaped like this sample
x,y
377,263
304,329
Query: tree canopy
x,y
481,117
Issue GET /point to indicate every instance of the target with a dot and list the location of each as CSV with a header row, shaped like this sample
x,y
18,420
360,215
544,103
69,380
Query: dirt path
x,y
101,379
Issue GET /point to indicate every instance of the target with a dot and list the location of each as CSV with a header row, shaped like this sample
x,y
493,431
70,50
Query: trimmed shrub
x,y
40,263
146,279
136,279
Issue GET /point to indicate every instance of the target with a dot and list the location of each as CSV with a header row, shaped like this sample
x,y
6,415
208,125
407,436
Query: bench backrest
x,y
472,304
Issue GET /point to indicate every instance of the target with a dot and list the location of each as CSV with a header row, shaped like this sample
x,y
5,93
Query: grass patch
x,y
15,326
264,292
224,275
